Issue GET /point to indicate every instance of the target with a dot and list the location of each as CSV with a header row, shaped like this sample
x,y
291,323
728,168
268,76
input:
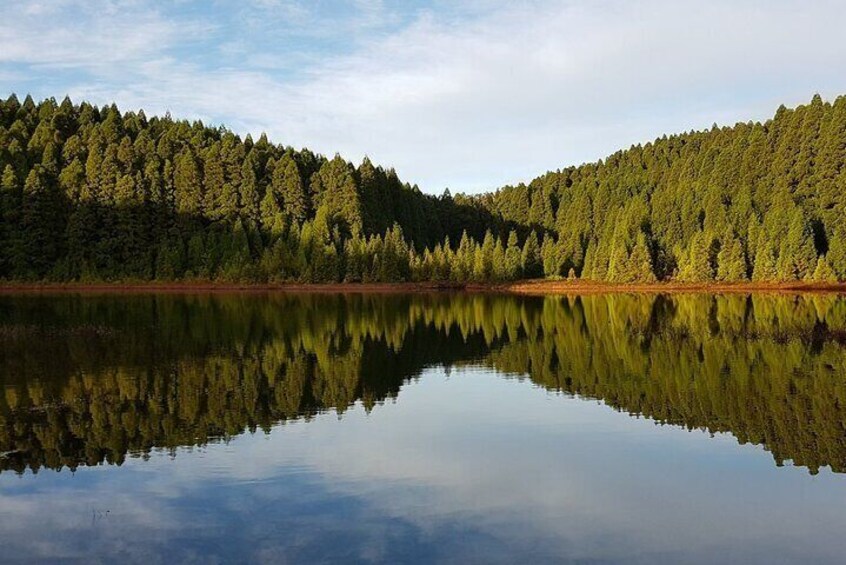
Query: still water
x,y
275,428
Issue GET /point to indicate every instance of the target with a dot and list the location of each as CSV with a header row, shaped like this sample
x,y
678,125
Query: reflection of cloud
x,y
64,521
470,95
466,468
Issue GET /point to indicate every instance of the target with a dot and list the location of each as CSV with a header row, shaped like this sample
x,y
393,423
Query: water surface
x,y
418,428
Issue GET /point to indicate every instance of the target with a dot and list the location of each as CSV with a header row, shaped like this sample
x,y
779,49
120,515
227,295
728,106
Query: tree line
x,y
92,194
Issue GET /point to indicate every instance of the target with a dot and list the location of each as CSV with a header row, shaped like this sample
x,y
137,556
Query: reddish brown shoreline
x,y
587,287
527,287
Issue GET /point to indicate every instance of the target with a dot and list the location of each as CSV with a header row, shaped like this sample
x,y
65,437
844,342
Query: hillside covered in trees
x,y
94,194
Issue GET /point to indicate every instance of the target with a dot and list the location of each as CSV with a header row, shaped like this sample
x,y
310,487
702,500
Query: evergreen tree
x,y
513,258
836,256
187,187
336,194
797,255
731,265
823,271
40,222
250,199
12,256
765,266
640,262
531,259
697,263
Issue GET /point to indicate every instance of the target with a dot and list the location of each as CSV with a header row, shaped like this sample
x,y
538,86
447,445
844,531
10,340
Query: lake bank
x,y
526,287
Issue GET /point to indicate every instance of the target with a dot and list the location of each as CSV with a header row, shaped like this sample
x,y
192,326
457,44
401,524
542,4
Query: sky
x,y
465,95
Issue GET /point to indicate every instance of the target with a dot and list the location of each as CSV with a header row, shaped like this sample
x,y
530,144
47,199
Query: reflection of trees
x,y
112,376
768,370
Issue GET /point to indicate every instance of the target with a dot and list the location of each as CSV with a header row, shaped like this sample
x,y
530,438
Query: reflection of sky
x,y
464,468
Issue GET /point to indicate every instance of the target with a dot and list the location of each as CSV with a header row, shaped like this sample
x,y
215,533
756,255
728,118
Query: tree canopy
x,y
89,193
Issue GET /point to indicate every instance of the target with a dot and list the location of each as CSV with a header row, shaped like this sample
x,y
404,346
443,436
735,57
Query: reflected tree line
x,y
118,376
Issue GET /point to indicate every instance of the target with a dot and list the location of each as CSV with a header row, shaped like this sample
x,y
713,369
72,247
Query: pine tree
x,y
618,264
836,256
187,187
552,257
531,258
499,267
765,267
513,258
640,262
336,193
272,216
697,266
11,253
218,203
823,271
40,224
731,265
797,255
249,192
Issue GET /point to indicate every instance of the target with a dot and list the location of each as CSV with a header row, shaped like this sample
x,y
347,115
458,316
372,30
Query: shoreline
x,y
524,287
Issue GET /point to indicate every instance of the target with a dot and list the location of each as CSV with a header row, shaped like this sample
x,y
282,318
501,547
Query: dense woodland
x,y
91,194
118,376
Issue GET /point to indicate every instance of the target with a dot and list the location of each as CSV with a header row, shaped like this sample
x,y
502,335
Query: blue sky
x,y
467,95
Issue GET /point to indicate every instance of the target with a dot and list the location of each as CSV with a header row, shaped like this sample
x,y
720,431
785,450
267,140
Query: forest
x,y
95,194
120,376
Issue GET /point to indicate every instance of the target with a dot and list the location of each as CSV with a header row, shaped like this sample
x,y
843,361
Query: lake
x,y
453,428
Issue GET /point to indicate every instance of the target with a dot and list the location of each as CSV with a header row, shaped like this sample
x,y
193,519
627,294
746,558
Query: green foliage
x,y
532,261
513,258
91,193
765,265
695,265
731,264
823,271
640,262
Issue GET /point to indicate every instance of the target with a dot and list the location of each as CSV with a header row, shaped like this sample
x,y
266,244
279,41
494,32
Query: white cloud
x,y
91,37
470,98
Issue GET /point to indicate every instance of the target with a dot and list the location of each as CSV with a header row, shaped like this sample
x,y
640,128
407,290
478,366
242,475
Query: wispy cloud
x,y
467,95
91,37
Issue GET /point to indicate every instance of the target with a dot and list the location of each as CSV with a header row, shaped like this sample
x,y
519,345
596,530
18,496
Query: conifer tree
x,y
531,258
218,203
287,185
697,263
40,222
640,262
11,254
499,264
186,181
797,255
513,258
250,199
836,256
336,194
731,265
552,257
823,271
618,263
765,266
